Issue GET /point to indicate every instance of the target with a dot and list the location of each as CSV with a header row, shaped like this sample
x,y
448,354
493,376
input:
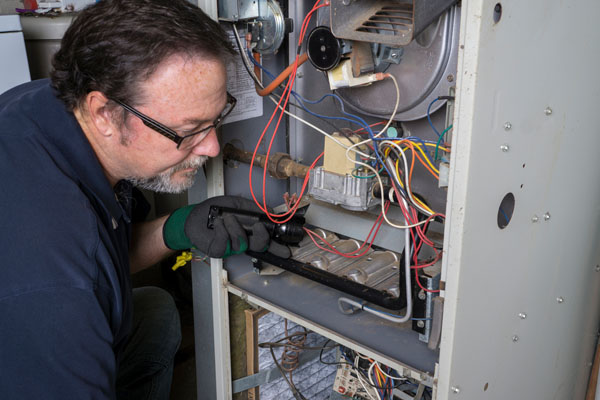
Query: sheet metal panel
x,y
521,312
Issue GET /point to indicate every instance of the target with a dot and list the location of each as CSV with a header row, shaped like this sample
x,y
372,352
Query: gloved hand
x,y
187,227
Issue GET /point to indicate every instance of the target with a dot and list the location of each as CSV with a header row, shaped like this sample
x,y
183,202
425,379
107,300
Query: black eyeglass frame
x,y
170,133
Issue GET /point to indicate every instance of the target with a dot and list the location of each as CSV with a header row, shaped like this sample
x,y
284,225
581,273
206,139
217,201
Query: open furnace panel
x,y
374,125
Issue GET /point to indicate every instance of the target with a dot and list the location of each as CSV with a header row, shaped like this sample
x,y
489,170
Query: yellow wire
x,y
423,153
416,199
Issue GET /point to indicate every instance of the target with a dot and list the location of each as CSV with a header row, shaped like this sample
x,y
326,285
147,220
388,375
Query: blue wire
x,y
429,116
504,214
393,315
358,120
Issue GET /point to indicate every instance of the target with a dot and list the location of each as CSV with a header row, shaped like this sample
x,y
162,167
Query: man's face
x,y
186,95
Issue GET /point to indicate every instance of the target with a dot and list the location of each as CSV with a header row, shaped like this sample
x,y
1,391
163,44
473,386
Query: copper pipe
x,y
280,165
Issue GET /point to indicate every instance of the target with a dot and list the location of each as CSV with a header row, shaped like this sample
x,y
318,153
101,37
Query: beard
x,y
165,182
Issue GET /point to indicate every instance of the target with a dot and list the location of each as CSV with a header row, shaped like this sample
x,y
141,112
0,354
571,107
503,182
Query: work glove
x,y
187,227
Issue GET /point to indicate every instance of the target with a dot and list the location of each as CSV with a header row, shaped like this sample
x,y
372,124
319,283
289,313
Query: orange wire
x,y
425,165
282,76
286,93
257,70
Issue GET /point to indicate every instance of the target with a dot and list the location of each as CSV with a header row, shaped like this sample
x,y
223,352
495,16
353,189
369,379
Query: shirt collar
x,y
64,132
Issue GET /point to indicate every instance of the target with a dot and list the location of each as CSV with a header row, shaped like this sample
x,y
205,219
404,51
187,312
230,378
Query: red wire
x,y
372,125
376,225
286,94
421,286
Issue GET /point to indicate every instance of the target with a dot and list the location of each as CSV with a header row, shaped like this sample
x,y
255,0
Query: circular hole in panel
x,y
523,165
505,211
485,387
521,186
497,12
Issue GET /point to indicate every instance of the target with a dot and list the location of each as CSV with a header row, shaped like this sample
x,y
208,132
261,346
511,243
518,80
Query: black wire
x,y
239,45
358,369
257,82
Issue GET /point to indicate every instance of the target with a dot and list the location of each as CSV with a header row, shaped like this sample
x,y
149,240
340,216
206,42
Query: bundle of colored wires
x,y
284,217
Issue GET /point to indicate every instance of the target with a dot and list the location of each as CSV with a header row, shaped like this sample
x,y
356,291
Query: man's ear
x,y
100,114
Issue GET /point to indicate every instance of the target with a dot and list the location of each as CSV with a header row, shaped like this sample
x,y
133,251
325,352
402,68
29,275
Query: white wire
x,y
369,372
392,169
391,117
245,59
396,378
382,192
250,66
395,107
318,129
358,374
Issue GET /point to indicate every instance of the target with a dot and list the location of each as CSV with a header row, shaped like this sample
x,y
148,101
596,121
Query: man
x,y
69,151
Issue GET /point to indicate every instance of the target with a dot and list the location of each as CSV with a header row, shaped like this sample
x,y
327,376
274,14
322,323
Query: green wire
x,y
363,177
437,146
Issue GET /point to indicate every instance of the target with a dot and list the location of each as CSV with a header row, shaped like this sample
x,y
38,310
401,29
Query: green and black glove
x,y
187,228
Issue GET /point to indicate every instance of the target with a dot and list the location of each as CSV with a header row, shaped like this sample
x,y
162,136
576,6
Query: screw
x,y
522,315
266,282
535,219
253,260
515,338
560,300
450,78
507,126
299,75
394,55
422,295
421,324
504,148
455,389
547,216
597,268
548,111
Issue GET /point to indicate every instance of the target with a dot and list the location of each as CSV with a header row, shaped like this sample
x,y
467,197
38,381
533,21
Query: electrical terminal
x,y
342,76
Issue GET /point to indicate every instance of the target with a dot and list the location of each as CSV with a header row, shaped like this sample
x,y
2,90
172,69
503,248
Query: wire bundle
x,y
387,159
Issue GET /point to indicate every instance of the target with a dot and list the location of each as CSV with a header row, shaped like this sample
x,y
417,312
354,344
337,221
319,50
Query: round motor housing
x,y
324,50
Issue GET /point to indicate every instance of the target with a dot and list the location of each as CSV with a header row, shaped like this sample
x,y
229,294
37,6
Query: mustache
x,y
195,163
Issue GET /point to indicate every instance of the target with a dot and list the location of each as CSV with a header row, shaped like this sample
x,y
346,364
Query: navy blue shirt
x,y
65,289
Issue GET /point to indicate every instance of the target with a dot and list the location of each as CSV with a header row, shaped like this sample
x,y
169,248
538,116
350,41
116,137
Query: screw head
x,y
547,216
266,282
535,219
299,75
253,260
421,324
507,126
597,268
560,299
515,338
394,55
422,295
504,148
522,315
450,78
455,389
548,111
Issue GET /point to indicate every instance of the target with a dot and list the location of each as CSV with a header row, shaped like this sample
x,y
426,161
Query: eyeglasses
x,y
183,142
